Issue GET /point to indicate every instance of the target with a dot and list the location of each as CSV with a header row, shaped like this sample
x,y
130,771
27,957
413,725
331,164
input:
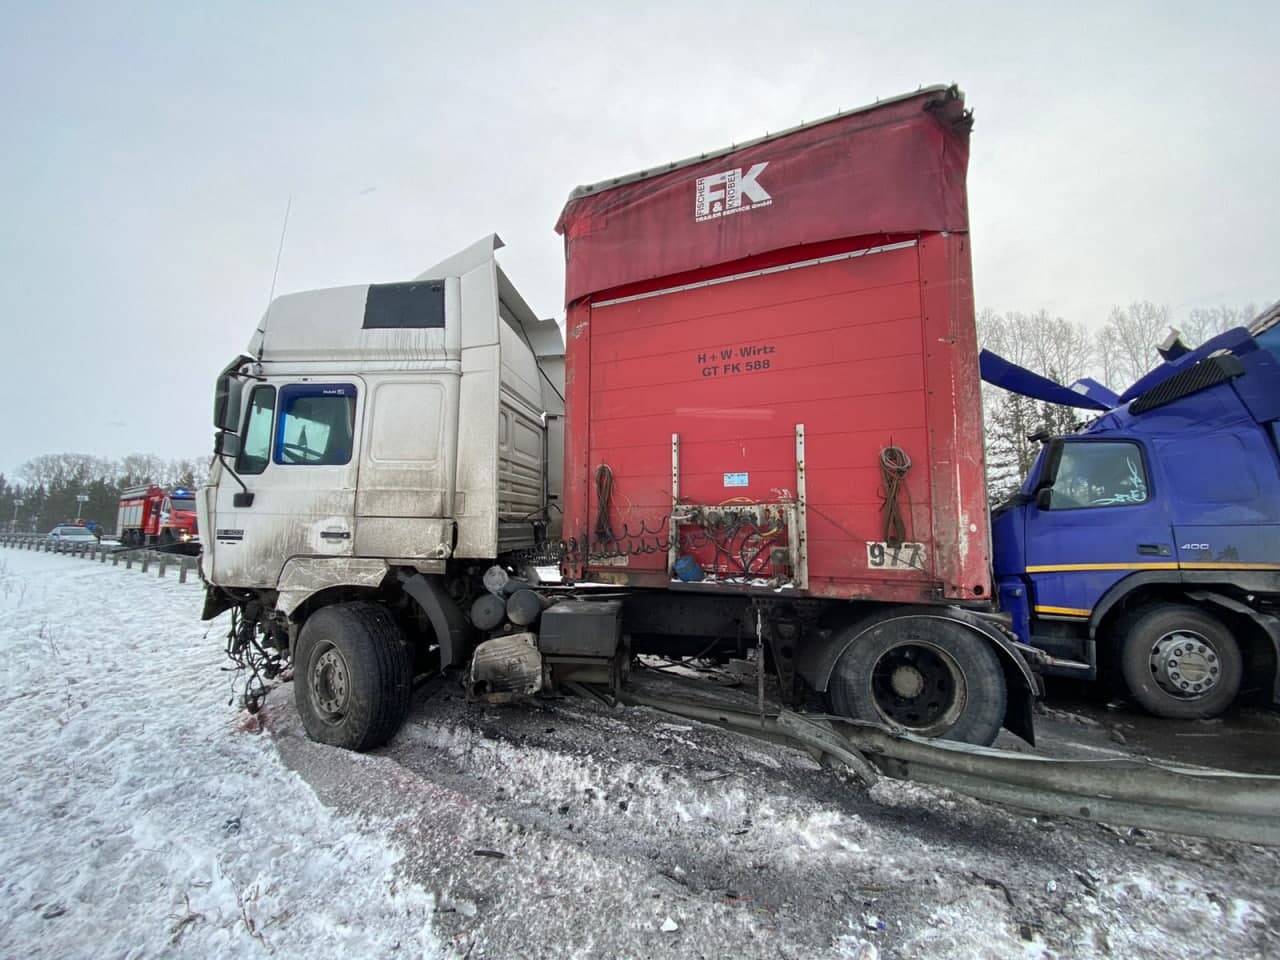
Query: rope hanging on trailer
x,y
604,504
894,465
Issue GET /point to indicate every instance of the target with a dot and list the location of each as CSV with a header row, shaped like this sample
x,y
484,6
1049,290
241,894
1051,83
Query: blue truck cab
x,y
1147,544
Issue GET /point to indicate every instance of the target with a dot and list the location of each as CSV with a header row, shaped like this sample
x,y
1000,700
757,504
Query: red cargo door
x,y
733,365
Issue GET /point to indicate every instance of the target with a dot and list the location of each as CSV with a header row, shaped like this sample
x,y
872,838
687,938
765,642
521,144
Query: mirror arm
x,y
234,475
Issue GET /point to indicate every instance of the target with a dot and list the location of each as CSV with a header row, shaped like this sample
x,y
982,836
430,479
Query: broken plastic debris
x,y
669,926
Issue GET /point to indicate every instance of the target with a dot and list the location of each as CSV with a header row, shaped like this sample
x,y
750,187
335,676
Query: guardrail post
x,y
146,560
102,556
115,559
128,560
164,563
183,566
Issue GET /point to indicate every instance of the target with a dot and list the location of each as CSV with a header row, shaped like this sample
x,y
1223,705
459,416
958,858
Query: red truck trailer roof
x,y
759,326
895,166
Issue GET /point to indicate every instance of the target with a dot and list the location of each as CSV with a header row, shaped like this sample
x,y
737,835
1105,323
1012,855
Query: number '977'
x,y
895,556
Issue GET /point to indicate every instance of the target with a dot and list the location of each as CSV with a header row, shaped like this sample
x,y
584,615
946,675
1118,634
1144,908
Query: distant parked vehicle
x,y
69,533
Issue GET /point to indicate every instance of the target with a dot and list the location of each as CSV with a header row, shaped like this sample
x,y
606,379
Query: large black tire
x,y
1169,647
931,676
352,677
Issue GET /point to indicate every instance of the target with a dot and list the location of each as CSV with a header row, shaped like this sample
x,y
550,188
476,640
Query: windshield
x,y
1099,474
183,503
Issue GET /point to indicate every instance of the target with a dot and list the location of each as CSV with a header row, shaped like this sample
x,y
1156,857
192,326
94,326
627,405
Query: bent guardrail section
x,y
1149,794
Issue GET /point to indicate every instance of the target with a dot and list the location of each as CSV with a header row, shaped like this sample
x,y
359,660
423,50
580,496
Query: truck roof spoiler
x,y
1085,393
1236,341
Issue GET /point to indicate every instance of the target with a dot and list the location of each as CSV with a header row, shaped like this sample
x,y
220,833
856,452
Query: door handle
x,y
1154,550
335,534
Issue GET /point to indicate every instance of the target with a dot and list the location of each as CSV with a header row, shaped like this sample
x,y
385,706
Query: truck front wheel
x,y
352,676
930,676
1179,662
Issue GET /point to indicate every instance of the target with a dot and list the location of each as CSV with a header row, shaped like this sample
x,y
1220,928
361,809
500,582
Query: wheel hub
x,y
329,683
907,682
1185,664
919,686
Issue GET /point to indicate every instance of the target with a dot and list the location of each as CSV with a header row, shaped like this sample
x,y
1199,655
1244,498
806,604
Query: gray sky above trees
x,y
1121,152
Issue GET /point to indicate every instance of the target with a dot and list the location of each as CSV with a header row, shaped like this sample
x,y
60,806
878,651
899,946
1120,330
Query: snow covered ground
x,y
138,819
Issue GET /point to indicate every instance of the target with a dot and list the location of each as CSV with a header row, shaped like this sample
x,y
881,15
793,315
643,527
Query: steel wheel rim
x,y
1185,664
330,683
919,686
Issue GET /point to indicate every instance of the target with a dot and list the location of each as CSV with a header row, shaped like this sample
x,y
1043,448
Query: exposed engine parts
x,y
538,643
505,669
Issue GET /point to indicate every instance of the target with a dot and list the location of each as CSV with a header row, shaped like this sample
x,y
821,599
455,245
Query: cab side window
x,y
316,425
1098,474
255,448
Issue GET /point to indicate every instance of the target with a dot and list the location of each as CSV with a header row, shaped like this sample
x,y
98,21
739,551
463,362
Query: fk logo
x,y
723,193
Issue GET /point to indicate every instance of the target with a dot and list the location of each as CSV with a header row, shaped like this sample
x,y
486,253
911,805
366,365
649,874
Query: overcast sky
x,y
1120,152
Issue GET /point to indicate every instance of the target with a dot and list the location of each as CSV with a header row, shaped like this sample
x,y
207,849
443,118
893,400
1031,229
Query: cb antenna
x,y
276,272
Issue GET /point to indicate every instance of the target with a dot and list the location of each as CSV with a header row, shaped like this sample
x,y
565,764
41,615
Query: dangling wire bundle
x,y
894,465
248,654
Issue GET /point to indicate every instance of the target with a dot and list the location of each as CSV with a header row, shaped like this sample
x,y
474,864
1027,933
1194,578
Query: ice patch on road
x,y
135,819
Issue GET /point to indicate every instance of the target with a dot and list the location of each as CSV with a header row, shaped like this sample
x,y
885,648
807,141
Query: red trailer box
x,y
772,375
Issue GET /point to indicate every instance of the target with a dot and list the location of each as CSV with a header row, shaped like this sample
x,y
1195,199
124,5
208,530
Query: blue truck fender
x,y
1268,624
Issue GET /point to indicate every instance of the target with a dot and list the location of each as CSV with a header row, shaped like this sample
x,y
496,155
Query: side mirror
x,y
226,403
226,444
1044,498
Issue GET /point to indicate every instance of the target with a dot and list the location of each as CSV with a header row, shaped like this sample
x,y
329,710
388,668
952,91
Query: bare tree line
x,y
48,486
1116,354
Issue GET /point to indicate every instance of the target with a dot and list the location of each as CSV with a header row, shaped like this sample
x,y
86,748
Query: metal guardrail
x,y
1150,794
146,558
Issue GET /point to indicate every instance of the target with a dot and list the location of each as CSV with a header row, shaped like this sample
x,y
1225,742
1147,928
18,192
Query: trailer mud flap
x,y
1148,794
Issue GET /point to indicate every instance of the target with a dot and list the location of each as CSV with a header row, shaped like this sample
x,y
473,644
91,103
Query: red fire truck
x,y
149,514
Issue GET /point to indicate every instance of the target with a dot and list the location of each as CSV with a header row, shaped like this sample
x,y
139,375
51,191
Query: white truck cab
x,y
384,427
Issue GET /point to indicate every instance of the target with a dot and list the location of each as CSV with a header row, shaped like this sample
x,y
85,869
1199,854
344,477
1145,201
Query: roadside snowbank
x,y
135,818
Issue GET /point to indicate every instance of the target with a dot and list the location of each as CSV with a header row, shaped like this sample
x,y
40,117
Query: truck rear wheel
x,y
927,675
1178,661
352,676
